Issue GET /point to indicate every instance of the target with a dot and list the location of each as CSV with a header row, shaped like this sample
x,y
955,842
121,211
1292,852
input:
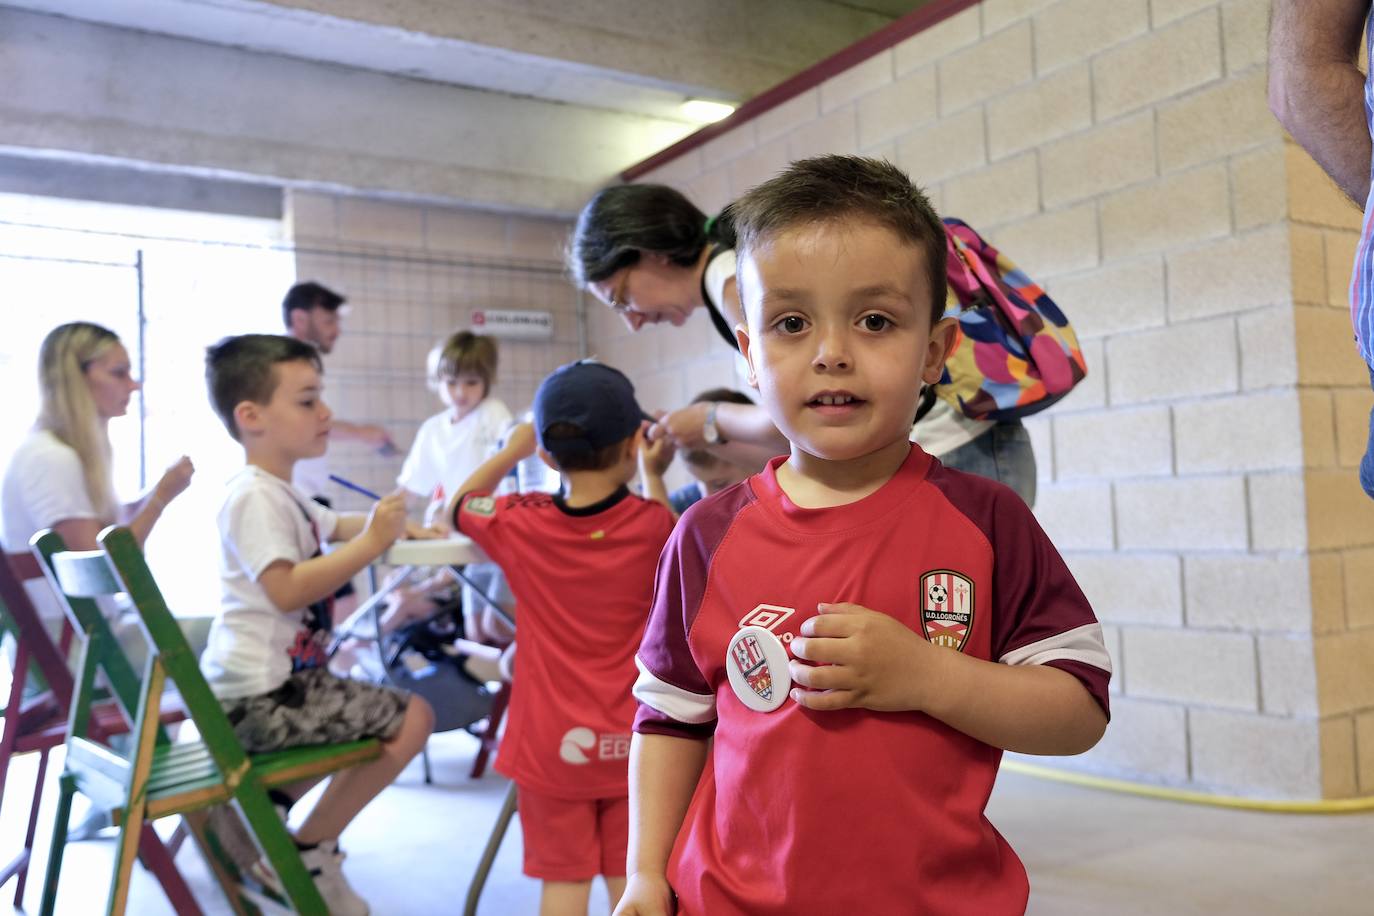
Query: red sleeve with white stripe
x,y
1042,616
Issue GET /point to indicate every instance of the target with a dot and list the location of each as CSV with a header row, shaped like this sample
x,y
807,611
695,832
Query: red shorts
x,y
574,839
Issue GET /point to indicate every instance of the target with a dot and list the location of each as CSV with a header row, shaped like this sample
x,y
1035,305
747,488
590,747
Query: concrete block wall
x,y
1201,481
412,275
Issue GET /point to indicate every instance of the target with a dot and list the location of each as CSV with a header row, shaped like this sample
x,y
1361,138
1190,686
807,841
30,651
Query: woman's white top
x,y
44,484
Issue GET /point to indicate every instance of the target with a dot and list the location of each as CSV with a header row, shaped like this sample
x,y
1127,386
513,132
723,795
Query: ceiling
x,y
625,55
520,104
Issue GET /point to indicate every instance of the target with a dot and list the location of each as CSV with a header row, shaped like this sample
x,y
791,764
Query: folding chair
x,y
161,778
41,724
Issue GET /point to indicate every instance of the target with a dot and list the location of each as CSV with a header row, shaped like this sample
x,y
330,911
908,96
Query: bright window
x,y
203,276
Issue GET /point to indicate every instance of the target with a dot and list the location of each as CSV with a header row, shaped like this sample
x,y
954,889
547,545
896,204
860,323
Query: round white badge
x,y
756,663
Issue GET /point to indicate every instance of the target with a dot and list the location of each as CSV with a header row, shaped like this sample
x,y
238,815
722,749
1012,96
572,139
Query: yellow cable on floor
x,y
1334,806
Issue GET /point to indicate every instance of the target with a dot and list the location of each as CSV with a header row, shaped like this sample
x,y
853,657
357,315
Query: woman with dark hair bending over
x,y
650,254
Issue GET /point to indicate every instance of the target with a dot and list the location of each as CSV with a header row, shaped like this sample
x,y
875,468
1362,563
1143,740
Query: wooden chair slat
x,y
84,574
162,778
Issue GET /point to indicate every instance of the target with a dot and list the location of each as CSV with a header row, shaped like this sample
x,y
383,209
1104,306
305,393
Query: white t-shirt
x,y
944,429
43,485
445,452
311,475
263,519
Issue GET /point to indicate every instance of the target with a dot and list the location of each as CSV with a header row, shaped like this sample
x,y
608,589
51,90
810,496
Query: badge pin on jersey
x,y
756,664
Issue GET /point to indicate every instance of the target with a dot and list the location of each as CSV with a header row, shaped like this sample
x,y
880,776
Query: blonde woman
x,y
60,476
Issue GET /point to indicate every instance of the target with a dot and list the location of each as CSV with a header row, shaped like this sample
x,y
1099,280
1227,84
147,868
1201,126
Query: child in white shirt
x,y
448,447
266,652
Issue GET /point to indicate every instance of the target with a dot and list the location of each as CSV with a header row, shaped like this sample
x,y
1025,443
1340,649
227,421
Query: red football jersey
x,y
583,583
851,811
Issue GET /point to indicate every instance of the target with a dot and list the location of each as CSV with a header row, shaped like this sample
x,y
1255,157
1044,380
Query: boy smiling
x,y
863,631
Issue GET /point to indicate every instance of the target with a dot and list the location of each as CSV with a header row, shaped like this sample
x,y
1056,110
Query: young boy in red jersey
x,y
581,566
863,630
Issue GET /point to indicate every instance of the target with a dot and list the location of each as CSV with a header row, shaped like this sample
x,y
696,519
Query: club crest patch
x,y
946,608
756,666
480,505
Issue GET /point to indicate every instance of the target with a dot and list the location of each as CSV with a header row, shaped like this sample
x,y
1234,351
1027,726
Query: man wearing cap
x,y
314,313
581,565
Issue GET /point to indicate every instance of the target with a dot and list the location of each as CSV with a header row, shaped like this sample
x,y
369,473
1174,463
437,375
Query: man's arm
x,y
1316,89
751,438
366,433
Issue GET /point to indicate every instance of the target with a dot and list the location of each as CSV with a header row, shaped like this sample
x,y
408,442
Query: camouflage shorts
x,y
316,707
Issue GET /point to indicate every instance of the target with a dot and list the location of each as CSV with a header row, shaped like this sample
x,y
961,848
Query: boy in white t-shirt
x,y
264,660
452,444
448,447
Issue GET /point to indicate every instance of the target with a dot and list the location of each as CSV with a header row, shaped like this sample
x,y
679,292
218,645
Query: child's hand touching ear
x,y
863,659
654,456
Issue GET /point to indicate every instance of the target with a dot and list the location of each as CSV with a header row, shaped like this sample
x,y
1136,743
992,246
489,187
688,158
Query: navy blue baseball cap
x,y
592,396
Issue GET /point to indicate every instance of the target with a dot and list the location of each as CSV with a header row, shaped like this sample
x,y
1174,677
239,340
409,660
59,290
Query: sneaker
x,y
325,864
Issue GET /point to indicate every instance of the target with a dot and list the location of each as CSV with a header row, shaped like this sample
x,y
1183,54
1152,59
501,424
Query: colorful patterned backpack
x,y
1014,354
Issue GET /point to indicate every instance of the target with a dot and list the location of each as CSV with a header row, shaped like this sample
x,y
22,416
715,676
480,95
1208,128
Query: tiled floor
x,y
1088,852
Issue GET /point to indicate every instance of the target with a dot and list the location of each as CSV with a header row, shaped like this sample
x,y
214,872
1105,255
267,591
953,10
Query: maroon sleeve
x,y
674,697
1040,615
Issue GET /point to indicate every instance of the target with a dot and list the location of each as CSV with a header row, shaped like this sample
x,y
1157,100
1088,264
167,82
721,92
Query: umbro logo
x,y
768,616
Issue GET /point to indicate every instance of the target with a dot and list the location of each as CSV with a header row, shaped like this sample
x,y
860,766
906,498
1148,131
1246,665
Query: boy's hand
x,y
863,659
645,895
174,481
387,520
654,455
418,532
522,441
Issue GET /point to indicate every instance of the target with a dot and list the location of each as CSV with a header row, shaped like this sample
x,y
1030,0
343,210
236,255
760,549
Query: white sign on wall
x,y
521,324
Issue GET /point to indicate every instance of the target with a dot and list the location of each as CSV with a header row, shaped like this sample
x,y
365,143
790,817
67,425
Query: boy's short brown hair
x,y
836,188
244,368
575,460
464,353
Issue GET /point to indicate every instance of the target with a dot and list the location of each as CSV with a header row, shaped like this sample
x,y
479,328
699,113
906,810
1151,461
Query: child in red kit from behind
x,y
581,566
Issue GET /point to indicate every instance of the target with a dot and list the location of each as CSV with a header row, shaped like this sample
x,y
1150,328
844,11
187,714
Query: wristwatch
x,y
710,432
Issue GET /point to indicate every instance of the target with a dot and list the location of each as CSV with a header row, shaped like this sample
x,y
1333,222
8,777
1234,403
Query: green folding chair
x,y
160,778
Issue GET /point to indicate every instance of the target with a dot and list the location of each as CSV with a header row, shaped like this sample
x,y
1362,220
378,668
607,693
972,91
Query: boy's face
x,y
295,421
462,392
838,336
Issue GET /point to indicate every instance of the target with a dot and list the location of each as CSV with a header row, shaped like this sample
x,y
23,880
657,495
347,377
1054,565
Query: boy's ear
x,y
942,338
547,459
248,416
742,340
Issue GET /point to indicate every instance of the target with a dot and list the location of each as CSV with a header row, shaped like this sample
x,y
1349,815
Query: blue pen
x,y
348,484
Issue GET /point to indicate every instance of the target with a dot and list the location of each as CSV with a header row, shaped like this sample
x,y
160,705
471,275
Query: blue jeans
x,y
1367,465
1004,454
